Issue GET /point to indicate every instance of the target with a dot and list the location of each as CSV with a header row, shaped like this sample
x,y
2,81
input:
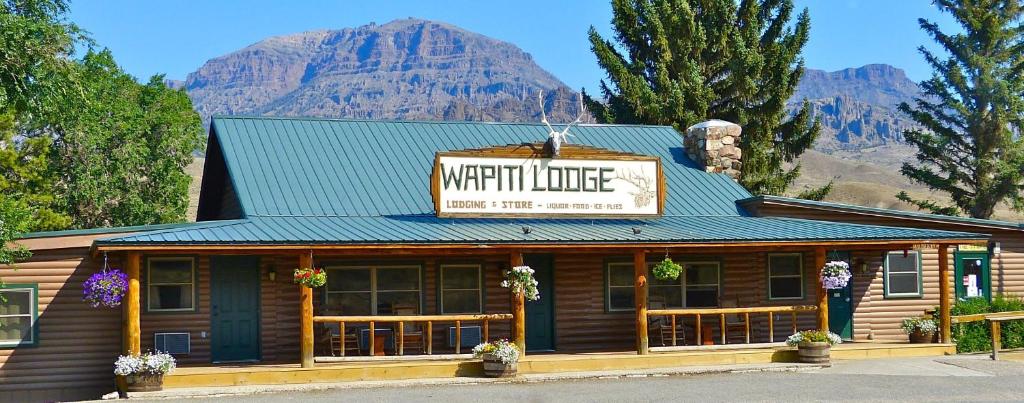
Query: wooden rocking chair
x,y
412,333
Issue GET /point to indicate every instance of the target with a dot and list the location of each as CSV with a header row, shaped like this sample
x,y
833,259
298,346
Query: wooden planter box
x,y
814,352
144,382
494,368
919,337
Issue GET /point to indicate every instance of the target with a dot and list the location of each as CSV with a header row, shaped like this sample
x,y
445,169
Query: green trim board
x,y
107,230
147,283
920,279
34,314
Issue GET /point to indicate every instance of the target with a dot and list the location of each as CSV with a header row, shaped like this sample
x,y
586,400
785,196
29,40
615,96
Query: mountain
x,y
405,69
857,106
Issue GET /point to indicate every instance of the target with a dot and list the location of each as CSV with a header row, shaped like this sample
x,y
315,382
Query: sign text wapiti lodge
x,y
583,183
414,255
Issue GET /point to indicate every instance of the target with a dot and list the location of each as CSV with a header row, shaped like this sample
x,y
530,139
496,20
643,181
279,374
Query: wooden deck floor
x,y
370,369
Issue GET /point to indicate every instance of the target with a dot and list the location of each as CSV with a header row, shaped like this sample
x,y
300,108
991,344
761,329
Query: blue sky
x,y
177,37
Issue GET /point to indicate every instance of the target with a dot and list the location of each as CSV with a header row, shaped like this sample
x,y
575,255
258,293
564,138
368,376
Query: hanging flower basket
x,y
106,288
520,279
835,275
311,278
667,270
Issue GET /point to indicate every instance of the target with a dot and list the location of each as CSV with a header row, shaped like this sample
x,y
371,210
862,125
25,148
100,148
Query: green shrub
x,y
977,336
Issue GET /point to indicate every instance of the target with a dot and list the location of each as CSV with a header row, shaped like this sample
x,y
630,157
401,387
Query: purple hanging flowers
x,y
105,288
835,275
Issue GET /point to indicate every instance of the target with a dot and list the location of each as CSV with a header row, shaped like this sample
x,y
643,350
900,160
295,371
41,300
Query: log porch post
x,y
819,263
640,298
133,328
944,297
519,309
306,315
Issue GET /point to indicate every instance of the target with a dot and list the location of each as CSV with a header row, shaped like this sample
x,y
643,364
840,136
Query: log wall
x,y
878,318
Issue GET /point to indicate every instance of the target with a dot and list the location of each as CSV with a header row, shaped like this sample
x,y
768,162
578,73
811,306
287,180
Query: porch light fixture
x,y
271,274
994,248
862,266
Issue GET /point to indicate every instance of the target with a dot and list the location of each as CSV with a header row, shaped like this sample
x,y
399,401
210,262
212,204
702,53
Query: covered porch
x,y
586,317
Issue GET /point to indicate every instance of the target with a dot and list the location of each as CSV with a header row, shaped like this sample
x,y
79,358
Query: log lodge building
x,y
415,222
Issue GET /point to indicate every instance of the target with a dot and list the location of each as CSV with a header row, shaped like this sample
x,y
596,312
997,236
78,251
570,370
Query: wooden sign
x,y
520,181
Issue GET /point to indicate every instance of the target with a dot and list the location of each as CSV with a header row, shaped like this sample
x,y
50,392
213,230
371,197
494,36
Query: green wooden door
x,y
234,308
840,304
540,314
972,276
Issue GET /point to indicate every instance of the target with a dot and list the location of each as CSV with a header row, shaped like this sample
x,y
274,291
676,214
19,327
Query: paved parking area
x,y
959,378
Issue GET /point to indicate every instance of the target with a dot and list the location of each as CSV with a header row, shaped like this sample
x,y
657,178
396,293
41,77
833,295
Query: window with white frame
x,y
18,314
785,276
373,290
461,290
170,284
619,282
697,287
902,274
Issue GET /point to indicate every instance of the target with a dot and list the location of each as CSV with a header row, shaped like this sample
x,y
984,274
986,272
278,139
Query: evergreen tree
x,y
679,62
972,110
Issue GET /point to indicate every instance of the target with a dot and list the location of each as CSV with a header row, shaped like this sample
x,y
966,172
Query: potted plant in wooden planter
x,y
814,346
500,358
144,373
920,330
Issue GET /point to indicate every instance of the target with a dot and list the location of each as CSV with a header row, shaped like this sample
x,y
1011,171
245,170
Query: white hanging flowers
x,y
835,275
520,279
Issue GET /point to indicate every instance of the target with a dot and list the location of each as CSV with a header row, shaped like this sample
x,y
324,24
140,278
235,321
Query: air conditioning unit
x,y
173,343
470,336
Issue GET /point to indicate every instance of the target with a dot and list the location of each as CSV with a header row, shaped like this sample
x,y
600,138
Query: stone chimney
x,y
715,145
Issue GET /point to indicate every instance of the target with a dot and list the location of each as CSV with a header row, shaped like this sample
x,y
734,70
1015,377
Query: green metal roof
x,y
433,230
329,167
324,181
881,211
109,230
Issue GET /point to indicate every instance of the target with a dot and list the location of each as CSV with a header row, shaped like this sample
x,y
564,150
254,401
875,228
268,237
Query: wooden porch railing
x,y
401,320
995,321
700,313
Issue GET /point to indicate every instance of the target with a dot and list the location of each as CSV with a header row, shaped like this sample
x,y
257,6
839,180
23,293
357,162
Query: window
x,y
18,315
170,284
460,289
785,276
697,287
619,278
373,290
903,274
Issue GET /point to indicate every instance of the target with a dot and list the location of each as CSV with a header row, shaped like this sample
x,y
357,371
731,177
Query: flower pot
x,y
920,337
814,352
494,368
144,382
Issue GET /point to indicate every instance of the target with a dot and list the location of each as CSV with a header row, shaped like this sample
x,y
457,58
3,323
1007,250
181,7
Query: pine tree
x,y
971,110
679,62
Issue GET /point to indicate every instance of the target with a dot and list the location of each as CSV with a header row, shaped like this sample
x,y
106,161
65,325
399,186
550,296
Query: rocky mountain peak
x,y
404,69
